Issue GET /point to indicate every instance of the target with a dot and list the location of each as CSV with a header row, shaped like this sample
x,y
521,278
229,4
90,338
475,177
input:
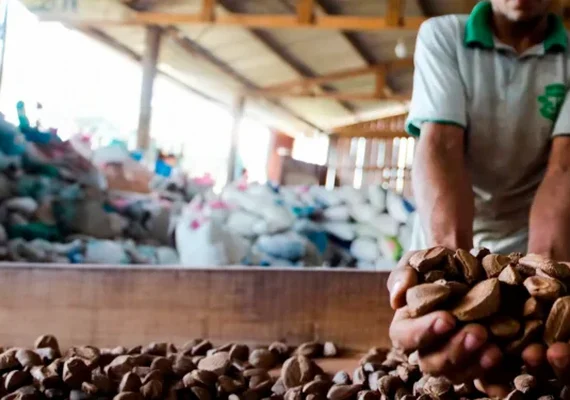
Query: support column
x,y
149,62
332,162
3,36
237,114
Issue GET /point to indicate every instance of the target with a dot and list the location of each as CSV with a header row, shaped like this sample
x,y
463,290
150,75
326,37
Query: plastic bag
x,y
351,195
364,249
105,252
289,246
243,223
342,230
399,208
203,242
337,213
377,197
363,212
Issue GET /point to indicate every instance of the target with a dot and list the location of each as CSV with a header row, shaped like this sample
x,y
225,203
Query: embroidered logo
x,y
551,101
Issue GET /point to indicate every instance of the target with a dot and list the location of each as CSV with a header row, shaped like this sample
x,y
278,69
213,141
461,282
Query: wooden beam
x,y
126,51
371,134
359,23
323,95
281,51
387,127
381,78
354,40
340,75
305,11
269,21
150,61
208,10
237,114
198,51
395,14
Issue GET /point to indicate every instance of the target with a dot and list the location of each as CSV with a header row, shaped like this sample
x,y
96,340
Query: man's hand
x,y
460,355
464,354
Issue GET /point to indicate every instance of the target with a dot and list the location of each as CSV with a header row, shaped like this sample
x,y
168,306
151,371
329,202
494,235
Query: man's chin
x,y
523,16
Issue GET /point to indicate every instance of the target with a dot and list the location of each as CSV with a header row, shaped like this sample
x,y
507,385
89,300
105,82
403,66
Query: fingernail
x,y
442,326
561,362
472,342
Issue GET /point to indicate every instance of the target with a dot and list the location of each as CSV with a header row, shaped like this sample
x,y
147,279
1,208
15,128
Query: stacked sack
x,y
294,226
56,206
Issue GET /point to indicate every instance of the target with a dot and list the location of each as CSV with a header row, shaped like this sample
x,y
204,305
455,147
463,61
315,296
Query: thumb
x,y
400,280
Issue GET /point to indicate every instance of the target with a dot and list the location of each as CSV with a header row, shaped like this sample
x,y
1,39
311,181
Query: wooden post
x,y
332,161
381,77
150,60
208,10
305,11
395,14
239,108
3,35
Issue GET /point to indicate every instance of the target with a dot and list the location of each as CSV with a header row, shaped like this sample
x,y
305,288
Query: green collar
x,y
478,31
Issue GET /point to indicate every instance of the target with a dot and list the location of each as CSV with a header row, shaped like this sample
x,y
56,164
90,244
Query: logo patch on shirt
x,y
551,101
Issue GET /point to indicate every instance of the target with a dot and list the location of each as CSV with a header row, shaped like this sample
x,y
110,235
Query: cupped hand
x,y
460,355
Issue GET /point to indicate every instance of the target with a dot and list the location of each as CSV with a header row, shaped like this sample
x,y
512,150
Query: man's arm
x,y
549,231
442,186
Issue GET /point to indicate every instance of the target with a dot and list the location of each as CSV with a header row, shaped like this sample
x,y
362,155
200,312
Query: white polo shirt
x,y
510,105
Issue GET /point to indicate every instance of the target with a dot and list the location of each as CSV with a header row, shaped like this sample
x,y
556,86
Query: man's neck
x,y
520,35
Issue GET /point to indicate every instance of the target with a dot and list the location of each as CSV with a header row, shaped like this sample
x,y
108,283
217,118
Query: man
x,y
492,164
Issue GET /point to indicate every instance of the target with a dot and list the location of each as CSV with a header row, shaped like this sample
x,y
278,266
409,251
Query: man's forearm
x,y
442,187
549,229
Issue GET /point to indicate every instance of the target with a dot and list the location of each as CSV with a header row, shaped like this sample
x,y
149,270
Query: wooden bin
x,y
110,306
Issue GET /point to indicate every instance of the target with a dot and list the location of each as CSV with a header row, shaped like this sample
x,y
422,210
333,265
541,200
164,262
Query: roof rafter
x,y
367,56
195,49
285,55
389,127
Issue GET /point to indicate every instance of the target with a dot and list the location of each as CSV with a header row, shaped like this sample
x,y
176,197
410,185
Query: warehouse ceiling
x,y
225,60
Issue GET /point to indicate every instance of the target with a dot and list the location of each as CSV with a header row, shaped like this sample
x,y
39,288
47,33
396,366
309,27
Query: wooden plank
x,y
208,10
305,11
395,14
109,306
149,62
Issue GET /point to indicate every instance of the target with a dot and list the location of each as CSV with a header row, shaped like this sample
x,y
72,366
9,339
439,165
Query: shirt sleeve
x,y
439,93
562,125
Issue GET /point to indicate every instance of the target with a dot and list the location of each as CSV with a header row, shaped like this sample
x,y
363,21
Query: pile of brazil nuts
x,y
520,299
199,371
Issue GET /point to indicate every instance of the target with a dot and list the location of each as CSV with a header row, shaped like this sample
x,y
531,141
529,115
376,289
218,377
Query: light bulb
x,y
401,49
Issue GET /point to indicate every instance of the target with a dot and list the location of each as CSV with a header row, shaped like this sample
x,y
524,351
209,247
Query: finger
x,y
454,357
491,357
415,333
400,280
534,357
559,357
492,390
479,365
